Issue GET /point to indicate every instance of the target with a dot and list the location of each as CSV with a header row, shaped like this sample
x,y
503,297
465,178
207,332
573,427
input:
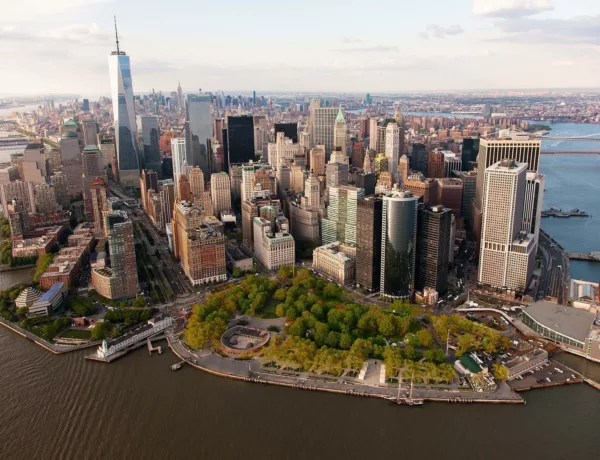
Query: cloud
x,y
437,31
30,10
578,30
87,34
369,49
351,40
510,8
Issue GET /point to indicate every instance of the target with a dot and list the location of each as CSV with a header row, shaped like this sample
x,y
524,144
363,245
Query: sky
x,y
60,46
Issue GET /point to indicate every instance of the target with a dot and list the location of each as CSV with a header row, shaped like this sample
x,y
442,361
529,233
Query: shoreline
x,y
512,396
54,349
319,386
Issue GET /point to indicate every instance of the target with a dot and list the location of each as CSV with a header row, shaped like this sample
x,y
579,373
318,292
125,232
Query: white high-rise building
x,y
220,191
392,148
322,124
282,151
178,153
124,116
506,254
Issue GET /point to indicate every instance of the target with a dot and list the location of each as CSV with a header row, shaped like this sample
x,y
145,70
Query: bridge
x,y
591,257
570,152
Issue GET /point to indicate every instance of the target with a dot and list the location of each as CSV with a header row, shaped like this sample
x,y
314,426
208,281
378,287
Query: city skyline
x,y
469,43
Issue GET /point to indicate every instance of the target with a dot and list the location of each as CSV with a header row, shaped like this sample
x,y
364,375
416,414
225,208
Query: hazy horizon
x,y
52,46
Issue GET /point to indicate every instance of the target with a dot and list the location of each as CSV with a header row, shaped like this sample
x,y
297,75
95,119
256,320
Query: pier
x,y
590,257
152,348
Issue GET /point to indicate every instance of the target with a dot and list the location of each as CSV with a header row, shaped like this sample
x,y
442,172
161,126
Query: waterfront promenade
x,y
54,348
253,371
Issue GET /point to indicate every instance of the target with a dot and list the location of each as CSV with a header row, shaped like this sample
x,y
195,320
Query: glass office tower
x,y
398,245
198,129
124,117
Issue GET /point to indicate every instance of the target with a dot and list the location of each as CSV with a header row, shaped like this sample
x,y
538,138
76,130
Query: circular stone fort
x,y
242,339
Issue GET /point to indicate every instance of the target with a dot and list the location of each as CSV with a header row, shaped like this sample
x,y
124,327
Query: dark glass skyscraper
x,y
290,130
198,129
368,242
433,247
151,136
469,152
398,245
240,139
419,158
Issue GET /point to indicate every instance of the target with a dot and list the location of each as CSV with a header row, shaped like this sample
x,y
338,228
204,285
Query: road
x,y
555,278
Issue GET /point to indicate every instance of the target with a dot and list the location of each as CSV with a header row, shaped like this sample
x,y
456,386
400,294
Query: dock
x,y
555,212
590,257
152,348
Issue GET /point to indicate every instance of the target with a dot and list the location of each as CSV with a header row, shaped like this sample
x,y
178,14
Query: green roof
x,y
90,148
340,116
470,364
69,134
70,123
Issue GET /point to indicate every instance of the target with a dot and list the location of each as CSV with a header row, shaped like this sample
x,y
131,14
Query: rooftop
x,y
569,321
90,148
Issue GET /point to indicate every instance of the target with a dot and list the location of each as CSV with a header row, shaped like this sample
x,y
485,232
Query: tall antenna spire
x,y
117,35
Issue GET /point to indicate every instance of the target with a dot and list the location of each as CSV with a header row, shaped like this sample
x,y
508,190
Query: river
x,y
68,408
11,277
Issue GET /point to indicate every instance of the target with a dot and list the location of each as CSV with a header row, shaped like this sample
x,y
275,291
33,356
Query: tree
x,y
138,302
345,341
409,352
392,357
333,339
332,291
280,294
435,356
500,372
280,310
424,338
101,330
466,343
236,273
385,326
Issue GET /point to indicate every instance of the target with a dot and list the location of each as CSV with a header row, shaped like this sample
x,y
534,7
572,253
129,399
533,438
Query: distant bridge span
x,y
568,152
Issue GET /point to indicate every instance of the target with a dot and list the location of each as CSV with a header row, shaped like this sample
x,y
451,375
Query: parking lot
x,y
549,374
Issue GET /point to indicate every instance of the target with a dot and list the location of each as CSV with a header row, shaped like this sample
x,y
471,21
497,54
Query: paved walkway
x,y
253,370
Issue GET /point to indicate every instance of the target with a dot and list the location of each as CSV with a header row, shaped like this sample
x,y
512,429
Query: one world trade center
x,y
124,115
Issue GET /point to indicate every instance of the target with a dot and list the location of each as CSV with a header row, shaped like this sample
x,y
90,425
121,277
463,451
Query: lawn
x,y
76,334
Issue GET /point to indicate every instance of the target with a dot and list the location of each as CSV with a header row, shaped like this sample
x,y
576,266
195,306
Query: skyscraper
x,y
433,247
240,140
151,136
507,254
398,245
339,132
90,132
520,148
403,169
179,156
419,158
124,115
198,129
92,168
368,242
220,190
317,160
340,223
532,209
322,123
469,152
120,280
99,195
392,149
290,130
